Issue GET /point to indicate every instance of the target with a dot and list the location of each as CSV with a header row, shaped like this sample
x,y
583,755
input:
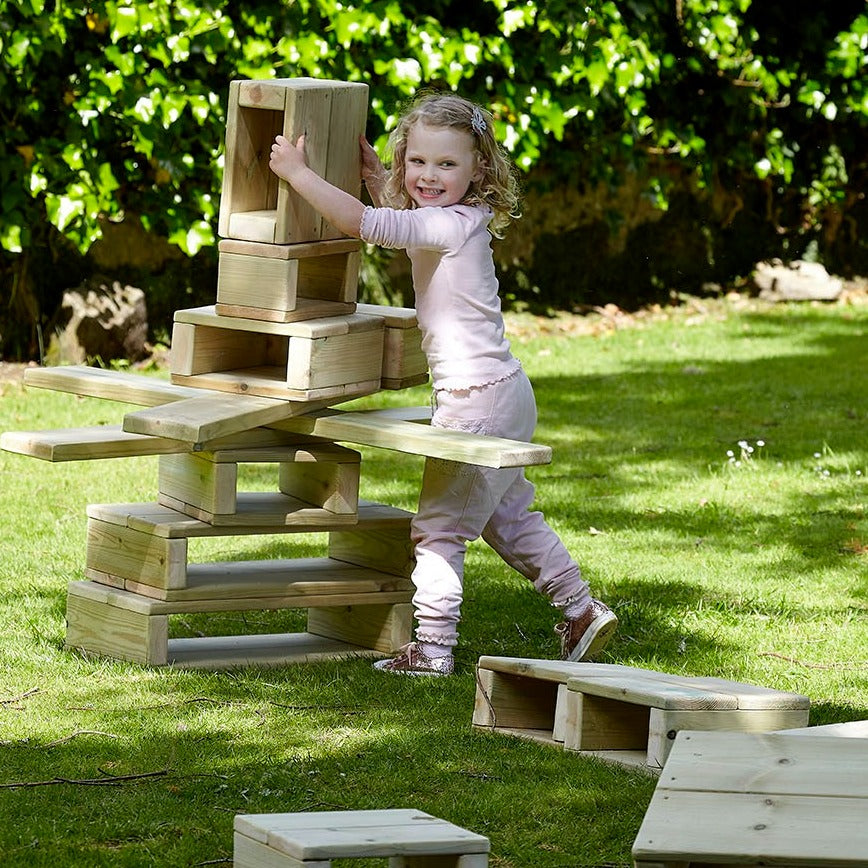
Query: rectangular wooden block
x,y
404,363
624,714
257,206
305,360
384,628
326,835
270,281
758,799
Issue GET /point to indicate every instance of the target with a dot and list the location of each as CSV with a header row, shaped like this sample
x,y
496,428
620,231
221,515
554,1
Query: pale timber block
x,y
159,520
404,363
305,308
758,799
629,715
384,628
333,486
209,416
127,553
297,577
265,509
373,428
318,837
83,444
94,625
255,205
387,549
319,358
257,281
322,475
111,385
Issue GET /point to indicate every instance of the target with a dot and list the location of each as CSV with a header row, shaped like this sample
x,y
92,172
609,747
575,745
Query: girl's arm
x,y
341,209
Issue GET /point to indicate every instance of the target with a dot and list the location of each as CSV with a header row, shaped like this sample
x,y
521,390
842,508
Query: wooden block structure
x,y
257,206
620,713
751,799
357,597
408,838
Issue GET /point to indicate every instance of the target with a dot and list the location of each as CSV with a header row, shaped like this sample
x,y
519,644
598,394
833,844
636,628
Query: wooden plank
x,y
639,690
247,853
131,554
257,281
281,649
165,522
82,444
305,308
850,729
664,725
271,383
110,385
272,578
258,225
310,328
196,420
333,486
769,763
290,251
711,828
387,549
365,429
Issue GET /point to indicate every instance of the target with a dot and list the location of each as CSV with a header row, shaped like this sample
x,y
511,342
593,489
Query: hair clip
x,y
477,121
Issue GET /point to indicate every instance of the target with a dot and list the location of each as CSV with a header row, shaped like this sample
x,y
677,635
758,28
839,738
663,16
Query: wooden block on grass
x,y
409,838
743,799
383,628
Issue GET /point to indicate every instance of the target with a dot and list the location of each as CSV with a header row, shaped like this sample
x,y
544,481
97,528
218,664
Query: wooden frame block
x,y
409,838
404,363
257,206
288,282
308,360
383,628
620,713
205,484
386,549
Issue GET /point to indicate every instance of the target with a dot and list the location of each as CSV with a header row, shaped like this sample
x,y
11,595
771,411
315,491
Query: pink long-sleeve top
x,y
457,302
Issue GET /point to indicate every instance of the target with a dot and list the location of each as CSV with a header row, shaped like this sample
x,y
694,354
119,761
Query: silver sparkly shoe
x,y
411,661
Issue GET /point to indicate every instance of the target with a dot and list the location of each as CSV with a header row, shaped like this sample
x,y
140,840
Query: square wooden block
x,y
335,357
287,282
255,204
409,838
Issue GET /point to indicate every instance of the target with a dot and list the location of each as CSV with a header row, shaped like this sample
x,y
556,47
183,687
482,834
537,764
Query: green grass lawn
x,y
709,474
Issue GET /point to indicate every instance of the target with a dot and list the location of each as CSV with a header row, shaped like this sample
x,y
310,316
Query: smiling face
x,y
440,165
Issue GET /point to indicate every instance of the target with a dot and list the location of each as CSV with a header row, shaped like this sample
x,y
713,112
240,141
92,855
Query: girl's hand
x,y
287,160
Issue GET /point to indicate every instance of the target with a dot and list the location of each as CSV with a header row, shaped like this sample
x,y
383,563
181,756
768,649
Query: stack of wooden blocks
x,y
254,378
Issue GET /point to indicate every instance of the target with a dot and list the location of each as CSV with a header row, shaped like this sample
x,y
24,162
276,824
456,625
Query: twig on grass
x,y
12,700
78,732
109,780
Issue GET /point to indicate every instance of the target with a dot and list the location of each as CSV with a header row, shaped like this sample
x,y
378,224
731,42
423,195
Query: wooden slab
x,y
374,429
355,834
206,417
745,799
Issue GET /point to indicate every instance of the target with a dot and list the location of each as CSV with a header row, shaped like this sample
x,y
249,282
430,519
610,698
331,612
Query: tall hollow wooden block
x,y
205,484
287,282
331,357
257,206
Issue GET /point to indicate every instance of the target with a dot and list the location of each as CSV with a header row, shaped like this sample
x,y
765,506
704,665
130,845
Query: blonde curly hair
x,y
498,186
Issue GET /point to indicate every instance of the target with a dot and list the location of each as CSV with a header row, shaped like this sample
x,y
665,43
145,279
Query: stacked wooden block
x,y
620,713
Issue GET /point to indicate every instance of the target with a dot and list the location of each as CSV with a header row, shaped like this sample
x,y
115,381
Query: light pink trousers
x,y
461,502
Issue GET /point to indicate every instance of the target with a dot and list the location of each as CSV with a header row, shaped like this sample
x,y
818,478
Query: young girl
x,y
450,187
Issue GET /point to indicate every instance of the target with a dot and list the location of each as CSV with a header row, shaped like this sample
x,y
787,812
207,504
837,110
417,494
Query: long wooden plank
x,y
111,385
206,417
367,429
